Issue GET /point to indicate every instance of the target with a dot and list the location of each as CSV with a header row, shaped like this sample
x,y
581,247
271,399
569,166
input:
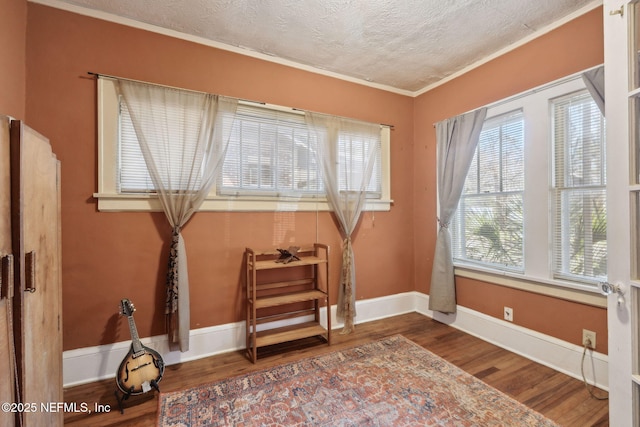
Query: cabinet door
x,y
6,321
36,228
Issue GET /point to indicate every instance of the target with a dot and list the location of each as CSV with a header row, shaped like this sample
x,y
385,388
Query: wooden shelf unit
x,y
286,292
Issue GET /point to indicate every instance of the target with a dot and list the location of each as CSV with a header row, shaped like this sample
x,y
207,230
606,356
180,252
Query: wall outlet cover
x,y
508,314
589,339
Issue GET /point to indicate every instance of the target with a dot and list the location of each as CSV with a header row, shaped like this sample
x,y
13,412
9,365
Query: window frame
x,y
538,231
111,200
562,191
508,118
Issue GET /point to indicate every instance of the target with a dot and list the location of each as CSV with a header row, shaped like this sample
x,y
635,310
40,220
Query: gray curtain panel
x,y
594,80
457,139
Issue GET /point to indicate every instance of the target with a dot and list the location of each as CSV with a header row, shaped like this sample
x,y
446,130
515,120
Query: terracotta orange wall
x,y
109,256
571,48
13,33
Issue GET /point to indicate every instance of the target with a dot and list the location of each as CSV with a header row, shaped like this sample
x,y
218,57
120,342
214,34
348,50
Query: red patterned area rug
x,y
391,382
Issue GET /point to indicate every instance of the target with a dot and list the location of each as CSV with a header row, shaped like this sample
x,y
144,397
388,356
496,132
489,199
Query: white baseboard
x,y
544,349
90,364
99,362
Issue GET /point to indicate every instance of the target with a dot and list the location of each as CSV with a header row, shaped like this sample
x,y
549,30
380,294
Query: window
x,y
133,176
269,154
353,149
489,217
533,204
269,164
580,226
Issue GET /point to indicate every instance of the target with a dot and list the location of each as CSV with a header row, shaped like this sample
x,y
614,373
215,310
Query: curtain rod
x,y
536,89
161,85
207,93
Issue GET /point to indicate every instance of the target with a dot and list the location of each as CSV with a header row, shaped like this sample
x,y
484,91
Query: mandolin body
x,y
140,371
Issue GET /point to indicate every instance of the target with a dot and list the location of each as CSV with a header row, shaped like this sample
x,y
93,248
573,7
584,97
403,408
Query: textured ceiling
x,y
404,44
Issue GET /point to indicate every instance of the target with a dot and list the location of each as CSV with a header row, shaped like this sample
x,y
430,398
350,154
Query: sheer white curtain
x,y
457,139
347,151
183,137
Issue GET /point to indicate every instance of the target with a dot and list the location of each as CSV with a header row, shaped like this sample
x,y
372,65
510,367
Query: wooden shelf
x,y
289,333
289,298
266,265
289,283
277,293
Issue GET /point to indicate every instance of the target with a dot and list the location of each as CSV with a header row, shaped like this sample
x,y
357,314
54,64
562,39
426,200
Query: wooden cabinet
x,y
7,385
283,299
30,268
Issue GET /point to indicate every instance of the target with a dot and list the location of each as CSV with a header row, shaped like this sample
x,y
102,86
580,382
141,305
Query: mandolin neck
x,y
138,349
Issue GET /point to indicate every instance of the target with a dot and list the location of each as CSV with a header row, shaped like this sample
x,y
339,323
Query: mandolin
x,y
143,367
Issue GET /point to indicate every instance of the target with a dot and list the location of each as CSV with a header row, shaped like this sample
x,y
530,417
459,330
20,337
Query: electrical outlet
x,y
508,314
589,339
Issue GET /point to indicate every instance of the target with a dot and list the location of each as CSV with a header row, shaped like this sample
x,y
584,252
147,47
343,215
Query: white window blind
x,y
269,154
580,225
488,225
353,149
132,169
269,159
261,171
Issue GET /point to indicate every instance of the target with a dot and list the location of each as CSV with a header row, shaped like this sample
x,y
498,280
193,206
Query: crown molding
x,y
541,32
105,16
81,10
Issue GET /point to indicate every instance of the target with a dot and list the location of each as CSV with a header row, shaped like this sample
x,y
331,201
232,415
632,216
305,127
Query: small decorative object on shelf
x,y
288,255
285,298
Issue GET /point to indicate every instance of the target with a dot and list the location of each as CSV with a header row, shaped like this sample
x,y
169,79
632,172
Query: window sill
x,y
570,291
151,203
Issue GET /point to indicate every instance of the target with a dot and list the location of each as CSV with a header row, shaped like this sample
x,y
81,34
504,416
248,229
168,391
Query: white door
x,y
622,109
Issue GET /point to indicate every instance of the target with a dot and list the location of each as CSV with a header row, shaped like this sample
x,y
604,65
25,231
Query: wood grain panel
x,y
6,323
38,298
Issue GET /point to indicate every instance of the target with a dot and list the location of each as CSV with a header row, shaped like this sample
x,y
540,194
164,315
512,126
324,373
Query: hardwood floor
x,y
559,397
